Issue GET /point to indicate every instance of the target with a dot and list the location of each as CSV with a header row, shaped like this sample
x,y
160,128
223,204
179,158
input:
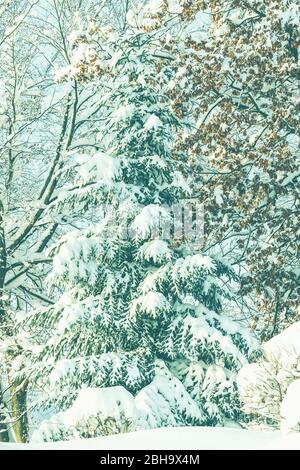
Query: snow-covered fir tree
x,y
139,307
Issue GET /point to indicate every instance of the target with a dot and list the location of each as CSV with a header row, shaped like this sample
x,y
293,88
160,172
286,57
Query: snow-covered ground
x,y
189,438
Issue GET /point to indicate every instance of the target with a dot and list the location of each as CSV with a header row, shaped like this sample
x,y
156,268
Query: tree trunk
x,y
2,270
19,414
4,437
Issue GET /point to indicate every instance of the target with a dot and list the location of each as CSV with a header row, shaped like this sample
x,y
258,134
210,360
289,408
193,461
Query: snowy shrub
x,y
268,388
95,412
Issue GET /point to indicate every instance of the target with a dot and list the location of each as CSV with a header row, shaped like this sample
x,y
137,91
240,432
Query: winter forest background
x,y
118,120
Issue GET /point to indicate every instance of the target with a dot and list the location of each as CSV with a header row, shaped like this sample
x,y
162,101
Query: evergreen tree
x,y
138,309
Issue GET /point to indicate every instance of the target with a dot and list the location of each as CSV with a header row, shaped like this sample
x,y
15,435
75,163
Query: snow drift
x,y
183,438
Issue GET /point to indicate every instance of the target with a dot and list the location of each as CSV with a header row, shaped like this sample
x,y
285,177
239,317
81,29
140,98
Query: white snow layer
x,y
156,251
152,303
153,122
149,220
285,347
101,166
290,408
183,438
108,401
